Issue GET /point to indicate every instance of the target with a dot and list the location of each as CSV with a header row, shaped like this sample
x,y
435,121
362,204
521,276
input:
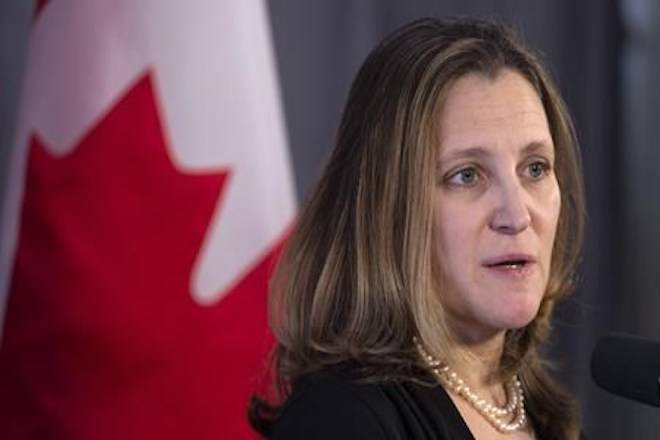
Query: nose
x,y
511,215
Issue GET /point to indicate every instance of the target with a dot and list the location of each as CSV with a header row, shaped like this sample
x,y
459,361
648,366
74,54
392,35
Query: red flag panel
x,y
102,338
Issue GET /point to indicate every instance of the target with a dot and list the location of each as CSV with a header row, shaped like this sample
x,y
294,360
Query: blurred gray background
x,y
605,56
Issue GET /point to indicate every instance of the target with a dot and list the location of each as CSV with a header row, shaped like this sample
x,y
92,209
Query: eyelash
x,y
451,178
545,168
479,175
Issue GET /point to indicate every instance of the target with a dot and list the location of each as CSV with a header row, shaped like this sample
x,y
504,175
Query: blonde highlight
x,y
358,278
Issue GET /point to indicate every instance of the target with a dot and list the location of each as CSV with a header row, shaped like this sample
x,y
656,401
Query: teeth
x,y
512,265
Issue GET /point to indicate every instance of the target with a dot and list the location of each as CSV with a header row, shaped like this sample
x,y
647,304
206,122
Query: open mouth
x,y
510,264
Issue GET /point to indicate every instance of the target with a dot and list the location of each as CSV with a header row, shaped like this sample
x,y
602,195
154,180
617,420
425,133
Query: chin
x,y
519,323
520,315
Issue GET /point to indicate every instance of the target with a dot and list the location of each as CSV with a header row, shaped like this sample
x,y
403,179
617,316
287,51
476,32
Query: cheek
x,y
553,210
549,212
453,237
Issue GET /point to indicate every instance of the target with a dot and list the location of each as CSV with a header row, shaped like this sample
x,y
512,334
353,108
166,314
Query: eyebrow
x,y
537,145
479,152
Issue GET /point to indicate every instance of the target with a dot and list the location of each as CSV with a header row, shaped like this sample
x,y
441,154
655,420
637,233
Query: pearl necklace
x,y
495,415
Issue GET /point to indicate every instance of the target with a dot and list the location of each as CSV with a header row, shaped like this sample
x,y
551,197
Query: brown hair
x,y
356,281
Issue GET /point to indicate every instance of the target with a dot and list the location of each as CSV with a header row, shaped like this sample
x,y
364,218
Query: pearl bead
x,y
498,417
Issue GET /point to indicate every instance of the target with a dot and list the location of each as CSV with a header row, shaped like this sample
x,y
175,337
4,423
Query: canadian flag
x,y
150,190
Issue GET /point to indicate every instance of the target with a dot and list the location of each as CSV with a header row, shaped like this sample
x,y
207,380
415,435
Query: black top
x,y
331,404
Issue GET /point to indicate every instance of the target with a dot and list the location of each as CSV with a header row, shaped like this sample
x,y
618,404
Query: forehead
x,y
503,111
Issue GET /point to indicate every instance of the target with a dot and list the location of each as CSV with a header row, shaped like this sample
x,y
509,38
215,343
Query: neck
x,y
478,361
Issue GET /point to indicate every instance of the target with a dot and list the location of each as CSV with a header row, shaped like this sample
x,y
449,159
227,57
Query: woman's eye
x,y
537,170
464,177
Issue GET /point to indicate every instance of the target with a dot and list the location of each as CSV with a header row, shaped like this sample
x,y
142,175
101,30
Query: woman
x,y
416,292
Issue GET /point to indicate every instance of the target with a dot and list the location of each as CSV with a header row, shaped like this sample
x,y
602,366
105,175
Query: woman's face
x,y
496,203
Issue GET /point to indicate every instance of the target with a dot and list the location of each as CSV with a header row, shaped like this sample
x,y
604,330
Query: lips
x,y
509,260
513,264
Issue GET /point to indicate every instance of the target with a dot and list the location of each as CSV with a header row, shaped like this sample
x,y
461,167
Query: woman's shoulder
x,y
336,403
339,403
